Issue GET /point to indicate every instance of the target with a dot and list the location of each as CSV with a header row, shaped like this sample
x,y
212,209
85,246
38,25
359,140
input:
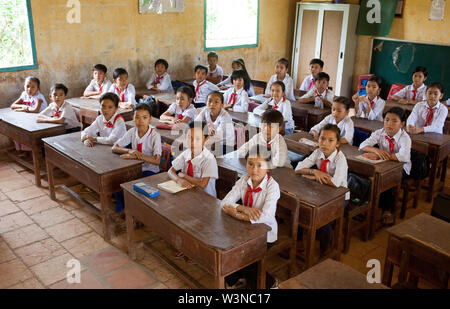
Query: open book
x,y
308,142
362,158
171,187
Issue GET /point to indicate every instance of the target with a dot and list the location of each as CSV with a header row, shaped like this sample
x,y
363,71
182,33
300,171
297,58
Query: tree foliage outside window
x,y
231,24
17,51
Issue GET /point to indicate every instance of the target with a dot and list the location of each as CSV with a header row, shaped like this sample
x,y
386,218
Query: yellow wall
x,y
114,33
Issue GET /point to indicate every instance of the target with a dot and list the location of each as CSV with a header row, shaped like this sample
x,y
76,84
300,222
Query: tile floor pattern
x,y
39,236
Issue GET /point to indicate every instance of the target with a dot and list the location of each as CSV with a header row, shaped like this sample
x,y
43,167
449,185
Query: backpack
x,y
360,188
150,100
420,165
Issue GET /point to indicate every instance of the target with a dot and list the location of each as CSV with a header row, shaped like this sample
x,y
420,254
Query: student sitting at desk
x,y
320,96
109,127
339,116
59,111
31,100
181,111
281,75
271,124
202,87
414,93
145,146
236,98
100,83
393,144
160,80
430,115
315,66
370,106
123,89
332,172
215,71
237,64
280,103
259,194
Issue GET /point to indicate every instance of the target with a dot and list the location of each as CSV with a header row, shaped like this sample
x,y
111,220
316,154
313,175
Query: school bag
x,y
359,188
420,165
150,100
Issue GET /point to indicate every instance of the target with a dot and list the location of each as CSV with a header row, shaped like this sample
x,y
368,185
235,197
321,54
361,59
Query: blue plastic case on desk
x,y
146,189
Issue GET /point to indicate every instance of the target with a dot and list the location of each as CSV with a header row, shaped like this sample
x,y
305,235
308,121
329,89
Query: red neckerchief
x,y
391,143
108,124
430,115
139,146
233,98
248,199
158,79
121,94
198,88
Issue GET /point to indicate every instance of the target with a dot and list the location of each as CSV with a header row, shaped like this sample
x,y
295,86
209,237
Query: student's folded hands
x,y
322,177
230,210
253,213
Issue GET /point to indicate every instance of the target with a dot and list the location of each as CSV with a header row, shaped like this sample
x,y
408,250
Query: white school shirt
x,y
337,167
129,95
216,73
419,114
202,91
377,111
108,136
313,93
288,83
407,93
241,101
32,101
66,111
345,125
205,165
402,145
151,145
175,110
308,83
227,81
284,107
164,85
223,125
278,149
94,86
266,200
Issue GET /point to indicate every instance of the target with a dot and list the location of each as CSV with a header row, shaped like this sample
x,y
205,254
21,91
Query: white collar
x,y
263,183
332,156
148,133
112,118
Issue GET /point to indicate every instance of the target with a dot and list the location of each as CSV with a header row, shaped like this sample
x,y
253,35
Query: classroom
x,y
225,144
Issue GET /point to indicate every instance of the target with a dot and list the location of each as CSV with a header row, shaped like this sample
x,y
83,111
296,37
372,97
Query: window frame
x,y
232,46
33,46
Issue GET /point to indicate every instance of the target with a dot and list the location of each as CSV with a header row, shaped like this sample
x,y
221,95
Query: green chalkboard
x,y
407,56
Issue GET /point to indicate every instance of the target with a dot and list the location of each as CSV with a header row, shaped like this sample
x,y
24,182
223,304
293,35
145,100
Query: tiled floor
x,y
38,237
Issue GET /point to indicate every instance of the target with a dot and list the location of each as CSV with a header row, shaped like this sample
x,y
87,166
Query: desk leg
x,y
338,237
433,172
444,171
130,235
397,190
37,168
219,282
388,270
374,212
309,249
51,180
261,279
105,201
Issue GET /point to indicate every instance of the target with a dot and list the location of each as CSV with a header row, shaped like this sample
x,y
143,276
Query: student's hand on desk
x,y
253,213
371,156
230,210
136,154
128,156
414,130
383,154
321,177
184,183
310,177
88,143
403,101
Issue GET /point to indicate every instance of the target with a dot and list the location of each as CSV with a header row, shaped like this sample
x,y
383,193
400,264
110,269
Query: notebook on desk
x,y
171,187
362,158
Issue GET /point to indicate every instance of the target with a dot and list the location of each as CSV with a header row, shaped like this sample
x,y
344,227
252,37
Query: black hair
x,y
322,75
60,87
279,83
334,128
118,72
110,96
317,61
376,79
213,54
217,93
200,124
400,112
259,151
163,62
284,61
272,116
436,85
201,67
143,106
344,101
241,74
34,79
187,91
421,69
100,67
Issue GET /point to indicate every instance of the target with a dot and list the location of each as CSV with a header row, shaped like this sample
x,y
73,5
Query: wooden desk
x,y
96,167
248,118
423,227
23,128
193,222
367,125
315,115
143,91
386,175
319,204
330,274
407,107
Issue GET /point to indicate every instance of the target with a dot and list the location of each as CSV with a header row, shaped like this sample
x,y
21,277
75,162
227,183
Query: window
x,y
231,24
17,49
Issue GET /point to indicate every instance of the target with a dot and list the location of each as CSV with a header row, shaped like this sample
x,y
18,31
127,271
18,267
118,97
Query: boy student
x,y
272,122
281,69
59,111
429,115
320,96
315,66
160,80
393,144
414,93
215,71
123,89
202,87
339,116
100,83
